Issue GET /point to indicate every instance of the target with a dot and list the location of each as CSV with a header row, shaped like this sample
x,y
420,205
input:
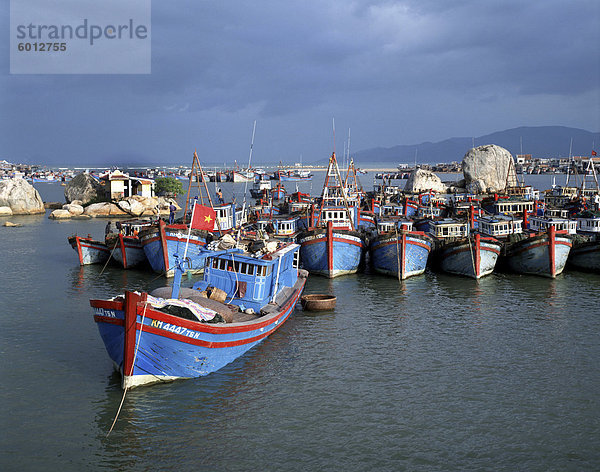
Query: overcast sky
x,y
394,72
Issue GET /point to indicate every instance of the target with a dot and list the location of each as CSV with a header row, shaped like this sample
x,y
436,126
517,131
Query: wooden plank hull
x,y
128,251
332,254
89,250
586,256
471,257
544,255
162,242
400,255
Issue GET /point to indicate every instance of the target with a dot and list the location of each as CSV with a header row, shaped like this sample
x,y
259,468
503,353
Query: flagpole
x,y
189,231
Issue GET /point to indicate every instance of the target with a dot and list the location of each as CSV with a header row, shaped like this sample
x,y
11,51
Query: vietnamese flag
x,y
203,217
594,153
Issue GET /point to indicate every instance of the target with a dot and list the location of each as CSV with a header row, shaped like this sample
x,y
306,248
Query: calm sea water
x,y
436,373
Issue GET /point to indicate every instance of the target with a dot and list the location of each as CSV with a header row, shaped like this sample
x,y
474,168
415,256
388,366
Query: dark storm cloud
x,y
401,71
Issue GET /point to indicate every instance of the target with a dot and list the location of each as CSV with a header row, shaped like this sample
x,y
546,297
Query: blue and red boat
x,y
400,252
162,242
89,250
332,245
241,300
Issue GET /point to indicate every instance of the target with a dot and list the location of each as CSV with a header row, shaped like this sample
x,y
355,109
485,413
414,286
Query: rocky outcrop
x,y
73,209
53,205
83,187
21,197
60,215
487,169
421,180
104,210
5,211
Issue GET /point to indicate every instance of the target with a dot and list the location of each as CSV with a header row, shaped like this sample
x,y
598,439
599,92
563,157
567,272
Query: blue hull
x,y
341,254
403,255
542,255
586,256
162,243
164,347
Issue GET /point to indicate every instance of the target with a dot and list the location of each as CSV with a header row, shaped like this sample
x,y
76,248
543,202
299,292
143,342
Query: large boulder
x,y
104,210
83,187
60,215
5,211
421,180
21,197
487,169
73,209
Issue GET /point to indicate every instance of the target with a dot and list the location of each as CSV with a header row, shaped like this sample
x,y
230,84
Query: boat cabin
x,y
448,228
429,211
281,227
588,222
229,217
499,226
251,282
541,224
513,207
389,225
525,192
556,212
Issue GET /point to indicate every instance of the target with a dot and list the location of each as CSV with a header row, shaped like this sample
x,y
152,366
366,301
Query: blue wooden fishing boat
x,y
585,253
242,299
399,252
543,254
332,245
162,242
460,252
89,250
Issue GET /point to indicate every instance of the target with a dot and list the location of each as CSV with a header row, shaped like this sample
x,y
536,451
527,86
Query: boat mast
x,y
198,175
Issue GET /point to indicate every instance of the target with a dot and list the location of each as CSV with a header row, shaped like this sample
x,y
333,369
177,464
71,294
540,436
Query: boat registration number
x,y
174,329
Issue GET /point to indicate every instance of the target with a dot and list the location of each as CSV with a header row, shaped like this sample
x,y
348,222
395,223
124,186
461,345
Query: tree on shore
x,y
167,186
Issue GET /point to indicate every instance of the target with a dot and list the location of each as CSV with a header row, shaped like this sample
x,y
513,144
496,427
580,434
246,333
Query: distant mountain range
x,y
540,141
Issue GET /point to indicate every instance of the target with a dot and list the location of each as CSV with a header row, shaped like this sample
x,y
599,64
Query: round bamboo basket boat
x,y
318,302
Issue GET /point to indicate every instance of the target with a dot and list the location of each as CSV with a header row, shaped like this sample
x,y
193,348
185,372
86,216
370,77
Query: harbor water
x,y
435,373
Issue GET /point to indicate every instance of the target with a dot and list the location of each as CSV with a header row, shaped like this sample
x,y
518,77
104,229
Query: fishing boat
x,y
89,250
331,245
162,242
242,299
397,250
585,253
461,252
125,245
543,254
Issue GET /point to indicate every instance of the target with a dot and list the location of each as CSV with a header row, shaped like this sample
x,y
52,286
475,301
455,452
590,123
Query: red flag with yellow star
x,y
203,217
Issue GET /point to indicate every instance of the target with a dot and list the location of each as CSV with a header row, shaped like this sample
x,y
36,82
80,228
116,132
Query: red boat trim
x,y
408,241
163,242
78,241
109,320
478,254
552,249
329,246
543,243
123,254
339,240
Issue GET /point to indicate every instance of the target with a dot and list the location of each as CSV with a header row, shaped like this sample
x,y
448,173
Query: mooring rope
x,y
111,253
137,346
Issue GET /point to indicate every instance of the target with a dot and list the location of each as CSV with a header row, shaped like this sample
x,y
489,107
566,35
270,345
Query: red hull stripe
x,y
467,249
412,243
191,325
544,243
99,248
339,240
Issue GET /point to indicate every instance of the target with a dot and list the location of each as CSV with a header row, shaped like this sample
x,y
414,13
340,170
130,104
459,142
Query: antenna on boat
x,y
569,166
248,170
